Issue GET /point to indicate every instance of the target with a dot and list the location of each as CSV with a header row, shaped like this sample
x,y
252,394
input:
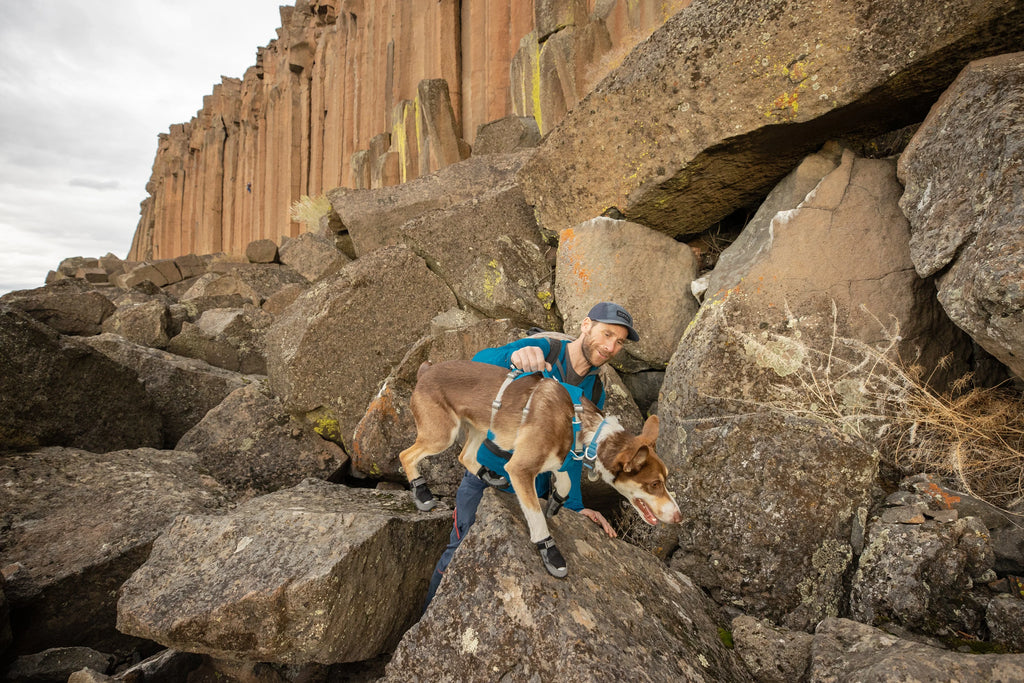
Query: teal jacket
x,y
556,352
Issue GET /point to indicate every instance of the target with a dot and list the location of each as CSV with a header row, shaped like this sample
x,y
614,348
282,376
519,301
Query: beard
x,y
591,353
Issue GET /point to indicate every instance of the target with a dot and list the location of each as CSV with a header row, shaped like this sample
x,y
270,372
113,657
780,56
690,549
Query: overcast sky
x,y
85,88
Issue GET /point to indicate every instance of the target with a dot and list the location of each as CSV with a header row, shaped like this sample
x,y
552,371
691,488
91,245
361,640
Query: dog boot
x,y
421,494
555,503
492,478
552,558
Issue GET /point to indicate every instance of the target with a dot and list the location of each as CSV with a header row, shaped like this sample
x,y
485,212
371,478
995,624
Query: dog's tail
x,y
423,366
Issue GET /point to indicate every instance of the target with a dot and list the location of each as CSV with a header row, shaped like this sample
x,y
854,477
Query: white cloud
x,y
85,88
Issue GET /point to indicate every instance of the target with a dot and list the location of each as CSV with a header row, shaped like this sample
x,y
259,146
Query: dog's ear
x,y
630,460
650,431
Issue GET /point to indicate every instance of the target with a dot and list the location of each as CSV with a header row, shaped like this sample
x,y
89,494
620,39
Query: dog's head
x,y
639,475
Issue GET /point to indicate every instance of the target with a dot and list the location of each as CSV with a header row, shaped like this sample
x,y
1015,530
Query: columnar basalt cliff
x,y
369,94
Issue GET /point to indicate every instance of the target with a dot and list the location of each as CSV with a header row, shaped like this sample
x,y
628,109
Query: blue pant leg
x,y
467,500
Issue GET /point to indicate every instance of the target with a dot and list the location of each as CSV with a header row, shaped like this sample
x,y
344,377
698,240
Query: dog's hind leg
x,y
436,430
523,482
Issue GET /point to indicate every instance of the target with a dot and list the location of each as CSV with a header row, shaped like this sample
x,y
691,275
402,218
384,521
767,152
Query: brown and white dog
x,y
459,394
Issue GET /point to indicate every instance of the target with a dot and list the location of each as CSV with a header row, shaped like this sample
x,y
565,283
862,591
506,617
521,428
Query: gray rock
x,y
920,576
69,306
757,236
332,348
229,338
249,443
646,272
963,172
56,664
146,323
261,251
5,618
56,390
489,251
671,135
845,650
1005,620
166,666
372,217
619,615
183,390
509,134
311,255
253,281
772,654
77,524
316,573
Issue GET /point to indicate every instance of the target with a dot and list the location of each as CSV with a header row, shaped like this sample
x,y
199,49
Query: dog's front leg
x,y
523,482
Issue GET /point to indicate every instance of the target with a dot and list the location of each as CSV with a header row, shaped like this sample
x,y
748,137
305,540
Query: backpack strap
x,y
555,347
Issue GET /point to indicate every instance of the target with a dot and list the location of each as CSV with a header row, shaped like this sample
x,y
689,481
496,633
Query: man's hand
x,y
530,359
598,518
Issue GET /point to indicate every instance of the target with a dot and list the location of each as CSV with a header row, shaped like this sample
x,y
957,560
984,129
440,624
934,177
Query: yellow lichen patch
x,y
546,299
325,424
492,278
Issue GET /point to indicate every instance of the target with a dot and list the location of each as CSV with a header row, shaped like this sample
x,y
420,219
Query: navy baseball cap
x,y
614,314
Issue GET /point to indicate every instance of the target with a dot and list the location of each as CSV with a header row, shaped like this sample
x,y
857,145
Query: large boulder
x,y
499,614
311,255
250,444
372,217
56,390
254,281
330,350
147,323
489,251
646,272
315,573
182,389
845,650
76,525
671,135
69,306
229,338
964,172
919,574
759,402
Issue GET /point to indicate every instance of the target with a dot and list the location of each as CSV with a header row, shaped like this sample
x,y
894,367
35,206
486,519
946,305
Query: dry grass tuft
x,y
308,210
972,435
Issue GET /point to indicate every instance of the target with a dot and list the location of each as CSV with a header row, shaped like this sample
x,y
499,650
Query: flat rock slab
x,y
315,573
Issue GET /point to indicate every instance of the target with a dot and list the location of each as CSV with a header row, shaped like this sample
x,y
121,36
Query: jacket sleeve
x,y
502,355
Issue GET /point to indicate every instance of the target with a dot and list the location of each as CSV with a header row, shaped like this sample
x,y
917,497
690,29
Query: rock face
x,y
646,272
77,525
316,573
336,343
497,611
427,78
58,391
651,138
964,206
182,390
249,444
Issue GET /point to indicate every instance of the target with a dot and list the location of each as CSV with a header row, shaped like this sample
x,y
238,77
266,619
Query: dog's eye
x,y
655,485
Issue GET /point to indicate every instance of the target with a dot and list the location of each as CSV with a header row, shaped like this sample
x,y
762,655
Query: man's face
x,y
601,341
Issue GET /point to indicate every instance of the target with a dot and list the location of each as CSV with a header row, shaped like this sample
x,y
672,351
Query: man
x,y
603,333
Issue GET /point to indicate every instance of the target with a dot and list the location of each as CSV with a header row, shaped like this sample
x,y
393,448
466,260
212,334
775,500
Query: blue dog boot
x,y
492,478
555,503
421,495
552,558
